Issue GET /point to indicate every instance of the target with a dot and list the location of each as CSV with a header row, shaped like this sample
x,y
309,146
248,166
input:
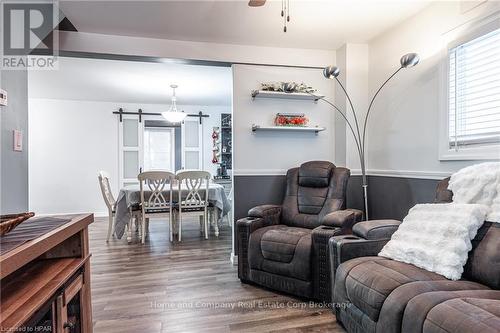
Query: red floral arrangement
x,y
290,120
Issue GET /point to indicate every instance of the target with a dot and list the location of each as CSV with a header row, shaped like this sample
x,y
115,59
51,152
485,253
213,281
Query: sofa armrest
x,y
344,219
376,229
244,227
346,247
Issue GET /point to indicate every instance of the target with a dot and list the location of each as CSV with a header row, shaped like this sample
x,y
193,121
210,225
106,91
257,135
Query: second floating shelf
x,y
287,129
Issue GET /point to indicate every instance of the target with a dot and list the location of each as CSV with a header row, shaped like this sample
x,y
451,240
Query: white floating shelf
x,y
284,95
287,129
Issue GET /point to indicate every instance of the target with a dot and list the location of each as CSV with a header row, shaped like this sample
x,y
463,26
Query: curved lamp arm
x,y
352,108
358,141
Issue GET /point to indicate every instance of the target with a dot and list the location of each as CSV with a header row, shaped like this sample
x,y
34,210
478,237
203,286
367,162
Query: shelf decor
x,y
288,87
226,143
294,120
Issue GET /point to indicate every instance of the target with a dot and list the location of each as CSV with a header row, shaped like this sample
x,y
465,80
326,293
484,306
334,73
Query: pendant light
x,y
173,115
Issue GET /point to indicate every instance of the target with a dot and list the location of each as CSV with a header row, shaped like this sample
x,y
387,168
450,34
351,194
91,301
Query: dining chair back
x,y
109,199
156,197
193,195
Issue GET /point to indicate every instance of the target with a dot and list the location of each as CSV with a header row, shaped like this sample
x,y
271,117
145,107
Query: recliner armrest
x,y
376,229
270,213
250,224
344,219
244,228
265,210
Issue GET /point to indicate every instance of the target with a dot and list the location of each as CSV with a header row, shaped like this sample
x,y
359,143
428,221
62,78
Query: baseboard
x,y
234,259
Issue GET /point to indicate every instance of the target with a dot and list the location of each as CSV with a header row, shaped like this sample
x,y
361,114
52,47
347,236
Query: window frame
x,y
486,152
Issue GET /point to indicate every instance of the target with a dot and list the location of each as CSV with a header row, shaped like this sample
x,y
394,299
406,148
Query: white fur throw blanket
x,y
436,237
478,184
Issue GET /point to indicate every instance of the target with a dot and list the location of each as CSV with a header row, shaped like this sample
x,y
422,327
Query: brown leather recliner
x,y
285,247
376,294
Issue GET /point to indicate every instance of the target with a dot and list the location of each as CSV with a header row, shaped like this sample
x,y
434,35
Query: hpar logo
x,y
28,29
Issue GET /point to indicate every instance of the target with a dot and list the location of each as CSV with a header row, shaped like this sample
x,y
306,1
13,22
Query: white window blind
x,y
474,92
159,149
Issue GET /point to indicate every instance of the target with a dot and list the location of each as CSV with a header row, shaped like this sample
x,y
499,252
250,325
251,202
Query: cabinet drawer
x,y
73,288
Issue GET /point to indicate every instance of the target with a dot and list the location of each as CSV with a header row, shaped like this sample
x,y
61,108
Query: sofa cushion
x,y
475,315
279,244
391,314
285,251
370,280
417,315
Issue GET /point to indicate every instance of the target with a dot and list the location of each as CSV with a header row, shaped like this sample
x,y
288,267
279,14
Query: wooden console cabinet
x,y
45,280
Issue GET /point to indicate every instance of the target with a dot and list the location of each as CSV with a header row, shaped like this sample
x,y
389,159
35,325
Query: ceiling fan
x,y
285,9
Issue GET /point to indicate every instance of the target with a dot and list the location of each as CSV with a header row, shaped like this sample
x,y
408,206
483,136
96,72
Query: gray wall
x,y
14,169
389,197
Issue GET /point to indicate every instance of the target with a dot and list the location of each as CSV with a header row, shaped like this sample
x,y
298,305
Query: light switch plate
x,y
3,97
18,140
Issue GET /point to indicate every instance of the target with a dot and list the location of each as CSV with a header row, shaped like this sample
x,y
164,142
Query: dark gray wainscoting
x,y
389,197
251,191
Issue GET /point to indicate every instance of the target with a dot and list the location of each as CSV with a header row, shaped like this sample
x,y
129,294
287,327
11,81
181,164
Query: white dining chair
x,y
109,199
156,198
193,196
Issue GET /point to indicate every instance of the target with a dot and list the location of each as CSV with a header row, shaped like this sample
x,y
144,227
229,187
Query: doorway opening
x,y
74,130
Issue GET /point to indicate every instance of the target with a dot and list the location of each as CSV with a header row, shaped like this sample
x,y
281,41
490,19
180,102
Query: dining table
x,y
129,198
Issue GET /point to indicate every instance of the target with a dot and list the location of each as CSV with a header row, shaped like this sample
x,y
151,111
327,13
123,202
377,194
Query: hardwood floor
x,y
186,287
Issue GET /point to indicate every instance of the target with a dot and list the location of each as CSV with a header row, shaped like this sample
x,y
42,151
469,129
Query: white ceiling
x,y
132,82
317,24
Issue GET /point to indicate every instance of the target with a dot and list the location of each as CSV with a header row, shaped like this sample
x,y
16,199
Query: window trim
x,y
487,152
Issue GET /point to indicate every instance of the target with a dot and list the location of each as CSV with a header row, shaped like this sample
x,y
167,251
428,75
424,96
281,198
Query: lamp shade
x,y
173,115
409,60
331,71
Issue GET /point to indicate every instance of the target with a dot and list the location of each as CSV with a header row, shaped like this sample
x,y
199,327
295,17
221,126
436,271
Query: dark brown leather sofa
x,y
285,247
390,296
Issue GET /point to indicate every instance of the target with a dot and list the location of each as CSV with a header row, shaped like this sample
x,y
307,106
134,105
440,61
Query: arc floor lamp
x,y
332,72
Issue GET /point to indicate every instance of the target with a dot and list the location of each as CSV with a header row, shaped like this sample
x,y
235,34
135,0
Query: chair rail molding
x,y
403,173
259,172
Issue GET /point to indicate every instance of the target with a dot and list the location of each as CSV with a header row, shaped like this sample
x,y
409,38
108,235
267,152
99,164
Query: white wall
x,y
70,141
266,153
353,62
403,131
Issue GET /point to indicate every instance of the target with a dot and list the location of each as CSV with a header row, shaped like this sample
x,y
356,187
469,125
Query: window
x,y
159,149
474,94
